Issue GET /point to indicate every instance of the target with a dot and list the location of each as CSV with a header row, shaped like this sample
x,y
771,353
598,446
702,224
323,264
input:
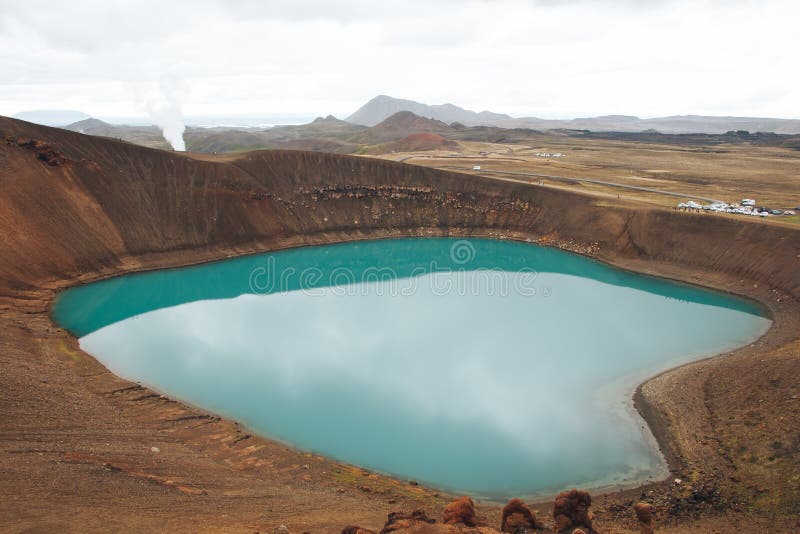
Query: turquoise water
x,y
489,367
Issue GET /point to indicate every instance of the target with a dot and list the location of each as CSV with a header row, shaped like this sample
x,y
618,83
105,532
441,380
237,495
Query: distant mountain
x,y
382,107
405,131
400,125
141,135
93,126
680,124
326,134
328,126
51,117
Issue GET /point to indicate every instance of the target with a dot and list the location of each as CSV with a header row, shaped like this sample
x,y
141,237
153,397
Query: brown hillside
x,y
400,125
110,200
423,141
413,143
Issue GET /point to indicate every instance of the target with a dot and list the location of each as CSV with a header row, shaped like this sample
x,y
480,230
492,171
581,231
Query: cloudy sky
x,y
547,58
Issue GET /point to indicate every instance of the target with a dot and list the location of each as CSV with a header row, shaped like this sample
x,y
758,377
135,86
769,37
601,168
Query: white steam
x,y
162,103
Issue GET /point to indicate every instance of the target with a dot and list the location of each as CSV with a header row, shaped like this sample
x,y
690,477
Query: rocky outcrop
x,y
462,511
517,518
43,150
571,510
402,521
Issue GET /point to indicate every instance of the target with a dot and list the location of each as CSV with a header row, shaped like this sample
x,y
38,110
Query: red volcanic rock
x,y
352,529
402,521
571,510
517,517
644,513
42,149
460,511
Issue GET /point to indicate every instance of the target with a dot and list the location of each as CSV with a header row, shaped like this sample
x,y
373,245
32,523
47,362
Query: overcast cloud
x,y
547,58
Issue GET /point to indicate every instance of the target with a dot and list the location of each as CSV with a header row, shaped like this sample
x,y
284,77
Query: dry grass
x,y
726,172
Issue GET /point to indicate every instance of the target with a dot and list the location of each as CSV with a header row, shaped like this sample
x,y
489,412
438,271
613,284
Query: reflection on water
x,y
505,371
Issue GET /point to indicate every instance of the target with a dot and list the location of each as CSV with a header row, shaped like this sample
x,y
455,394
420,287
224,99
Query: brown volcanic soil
x,y
398,126
729,168
77,441
413,143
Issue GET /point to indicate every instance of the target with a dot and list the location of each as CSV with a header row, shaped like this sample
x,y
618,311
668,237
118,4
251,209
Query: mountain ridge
x,y
382,107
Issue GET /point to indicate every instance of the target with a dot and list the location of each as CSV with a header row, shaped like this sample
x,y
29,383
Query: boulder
x,y
460,511
571,510
517,517
644,513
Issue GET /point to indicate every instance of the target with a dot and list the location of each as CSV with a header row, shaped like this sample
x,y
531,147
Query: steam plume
x,y
163,106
